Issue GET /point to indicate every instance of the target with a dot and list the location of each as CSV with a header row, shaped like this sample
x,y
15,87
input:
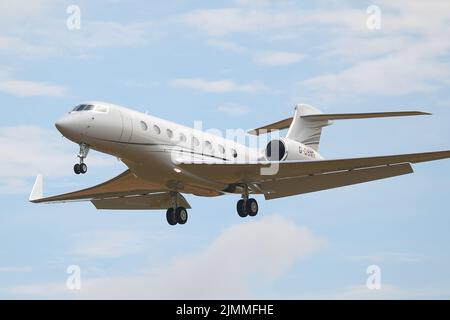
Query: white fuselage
x,y
151,146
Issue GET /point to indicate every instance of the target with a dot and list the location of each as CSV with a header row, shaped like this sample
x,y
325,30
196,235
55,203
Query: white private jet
x,y
165,160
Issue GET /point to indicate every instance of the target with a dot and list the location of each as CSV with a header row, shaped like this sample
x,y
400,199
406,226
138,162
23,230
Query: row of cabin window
x,y
195,141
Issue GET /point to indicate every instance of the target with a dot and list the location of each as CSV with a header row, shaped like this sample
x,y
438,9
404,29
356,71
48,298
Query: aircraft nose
x,y
68,126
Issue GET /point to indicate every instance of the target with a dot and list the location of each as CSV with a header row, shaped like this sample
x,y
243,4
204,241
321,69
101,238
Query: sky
x,y
230,64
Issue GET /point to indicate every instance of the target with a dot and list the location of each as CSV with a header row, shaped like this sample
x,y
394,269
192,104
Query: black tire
x,y
240,207
251,207
83,168
76,169
170,216
181,215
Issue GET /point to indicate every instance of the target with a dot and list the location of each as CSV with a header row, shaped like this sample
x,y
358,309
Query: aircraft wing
x,y
125,191
284,178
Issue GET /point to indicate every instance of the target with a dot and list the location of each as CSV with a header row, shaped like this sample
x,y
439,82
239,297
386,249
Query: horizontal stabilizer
x,y
347,116
280,125
284,124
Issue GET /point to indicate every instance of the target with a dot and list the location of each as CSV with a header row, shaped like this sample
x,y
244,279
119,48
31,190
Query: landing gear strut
x,y
81,168
247,207
176,215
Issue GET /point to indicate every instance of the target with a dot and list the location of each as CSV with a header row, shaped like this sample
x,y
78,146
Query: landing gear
x,y
247,207
241,210
81,168
181,215
251,207
170,215
176,215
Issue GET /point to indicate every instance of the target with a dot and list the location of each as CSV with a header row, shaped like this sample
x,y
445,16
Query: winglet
x,y
37,192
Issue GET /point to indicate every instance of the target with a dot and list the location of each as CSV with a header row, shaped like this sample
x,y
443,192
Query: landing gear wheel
x,y
251,207
83,168
170,215
181,215
241,210
76,169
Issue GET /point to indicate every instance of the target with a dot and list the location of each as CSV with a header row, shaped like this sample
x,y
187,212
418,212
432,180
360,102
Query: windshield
x,y
83,107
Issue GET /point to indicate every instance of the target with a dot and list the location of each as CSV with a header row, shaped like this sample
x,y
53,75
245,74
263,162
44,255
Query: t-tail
x,y
307,123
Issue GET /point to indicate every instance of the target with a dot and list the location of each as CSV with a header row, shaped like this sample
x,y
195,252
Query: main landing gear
x,y
176,215
247,207
81,168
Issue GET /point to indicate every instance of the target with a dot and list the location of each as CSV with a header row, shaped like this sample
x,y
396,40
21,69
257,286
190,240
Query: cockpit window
x,y
79,107
83,107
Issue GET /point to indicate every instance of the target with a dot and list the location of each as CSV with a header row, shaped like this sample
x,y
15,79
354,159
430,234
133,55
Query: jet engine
x,y
286,149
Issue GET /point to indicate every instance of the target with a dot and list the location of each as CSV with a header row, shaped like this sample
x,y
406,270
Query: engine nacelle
x,y
286,149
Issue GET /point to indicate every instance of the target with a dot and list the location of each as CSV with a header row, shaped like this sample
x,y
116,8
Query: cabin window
x,y
221,148
156,129
234,153
182,137
195,142
208,145
169,133
144,126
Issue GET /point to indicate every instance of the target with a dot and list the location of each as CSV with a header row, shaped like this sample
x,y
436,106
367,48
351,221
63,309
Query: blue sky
x,y
236,64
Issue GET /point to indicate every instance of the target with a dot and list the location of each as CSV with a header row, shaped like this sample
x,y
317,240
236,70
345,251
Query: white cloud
x,y
15,269
108,244
16,45
264,58
218,86
404,57
107,34
37,29
264,20
233,109
387,291
395,257
141,84
401,73
18,10
227,45
31,88
30,150
244,257
277,58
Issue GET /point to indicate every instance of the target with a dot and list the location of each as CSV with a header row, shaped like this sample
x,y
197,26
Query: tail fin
x,y
305,130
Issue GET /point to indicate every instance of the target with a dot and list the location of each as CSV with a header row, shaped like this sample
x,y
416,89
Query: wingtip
x,y
37,192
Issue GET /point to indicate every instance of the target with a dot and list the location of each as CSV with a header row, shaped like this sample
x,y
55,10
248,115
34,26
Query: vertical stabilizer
x,y
304,130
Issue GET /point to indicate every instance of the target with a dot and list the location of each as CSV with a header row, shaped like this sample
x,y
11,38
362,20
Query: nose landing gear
x,y
81,168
